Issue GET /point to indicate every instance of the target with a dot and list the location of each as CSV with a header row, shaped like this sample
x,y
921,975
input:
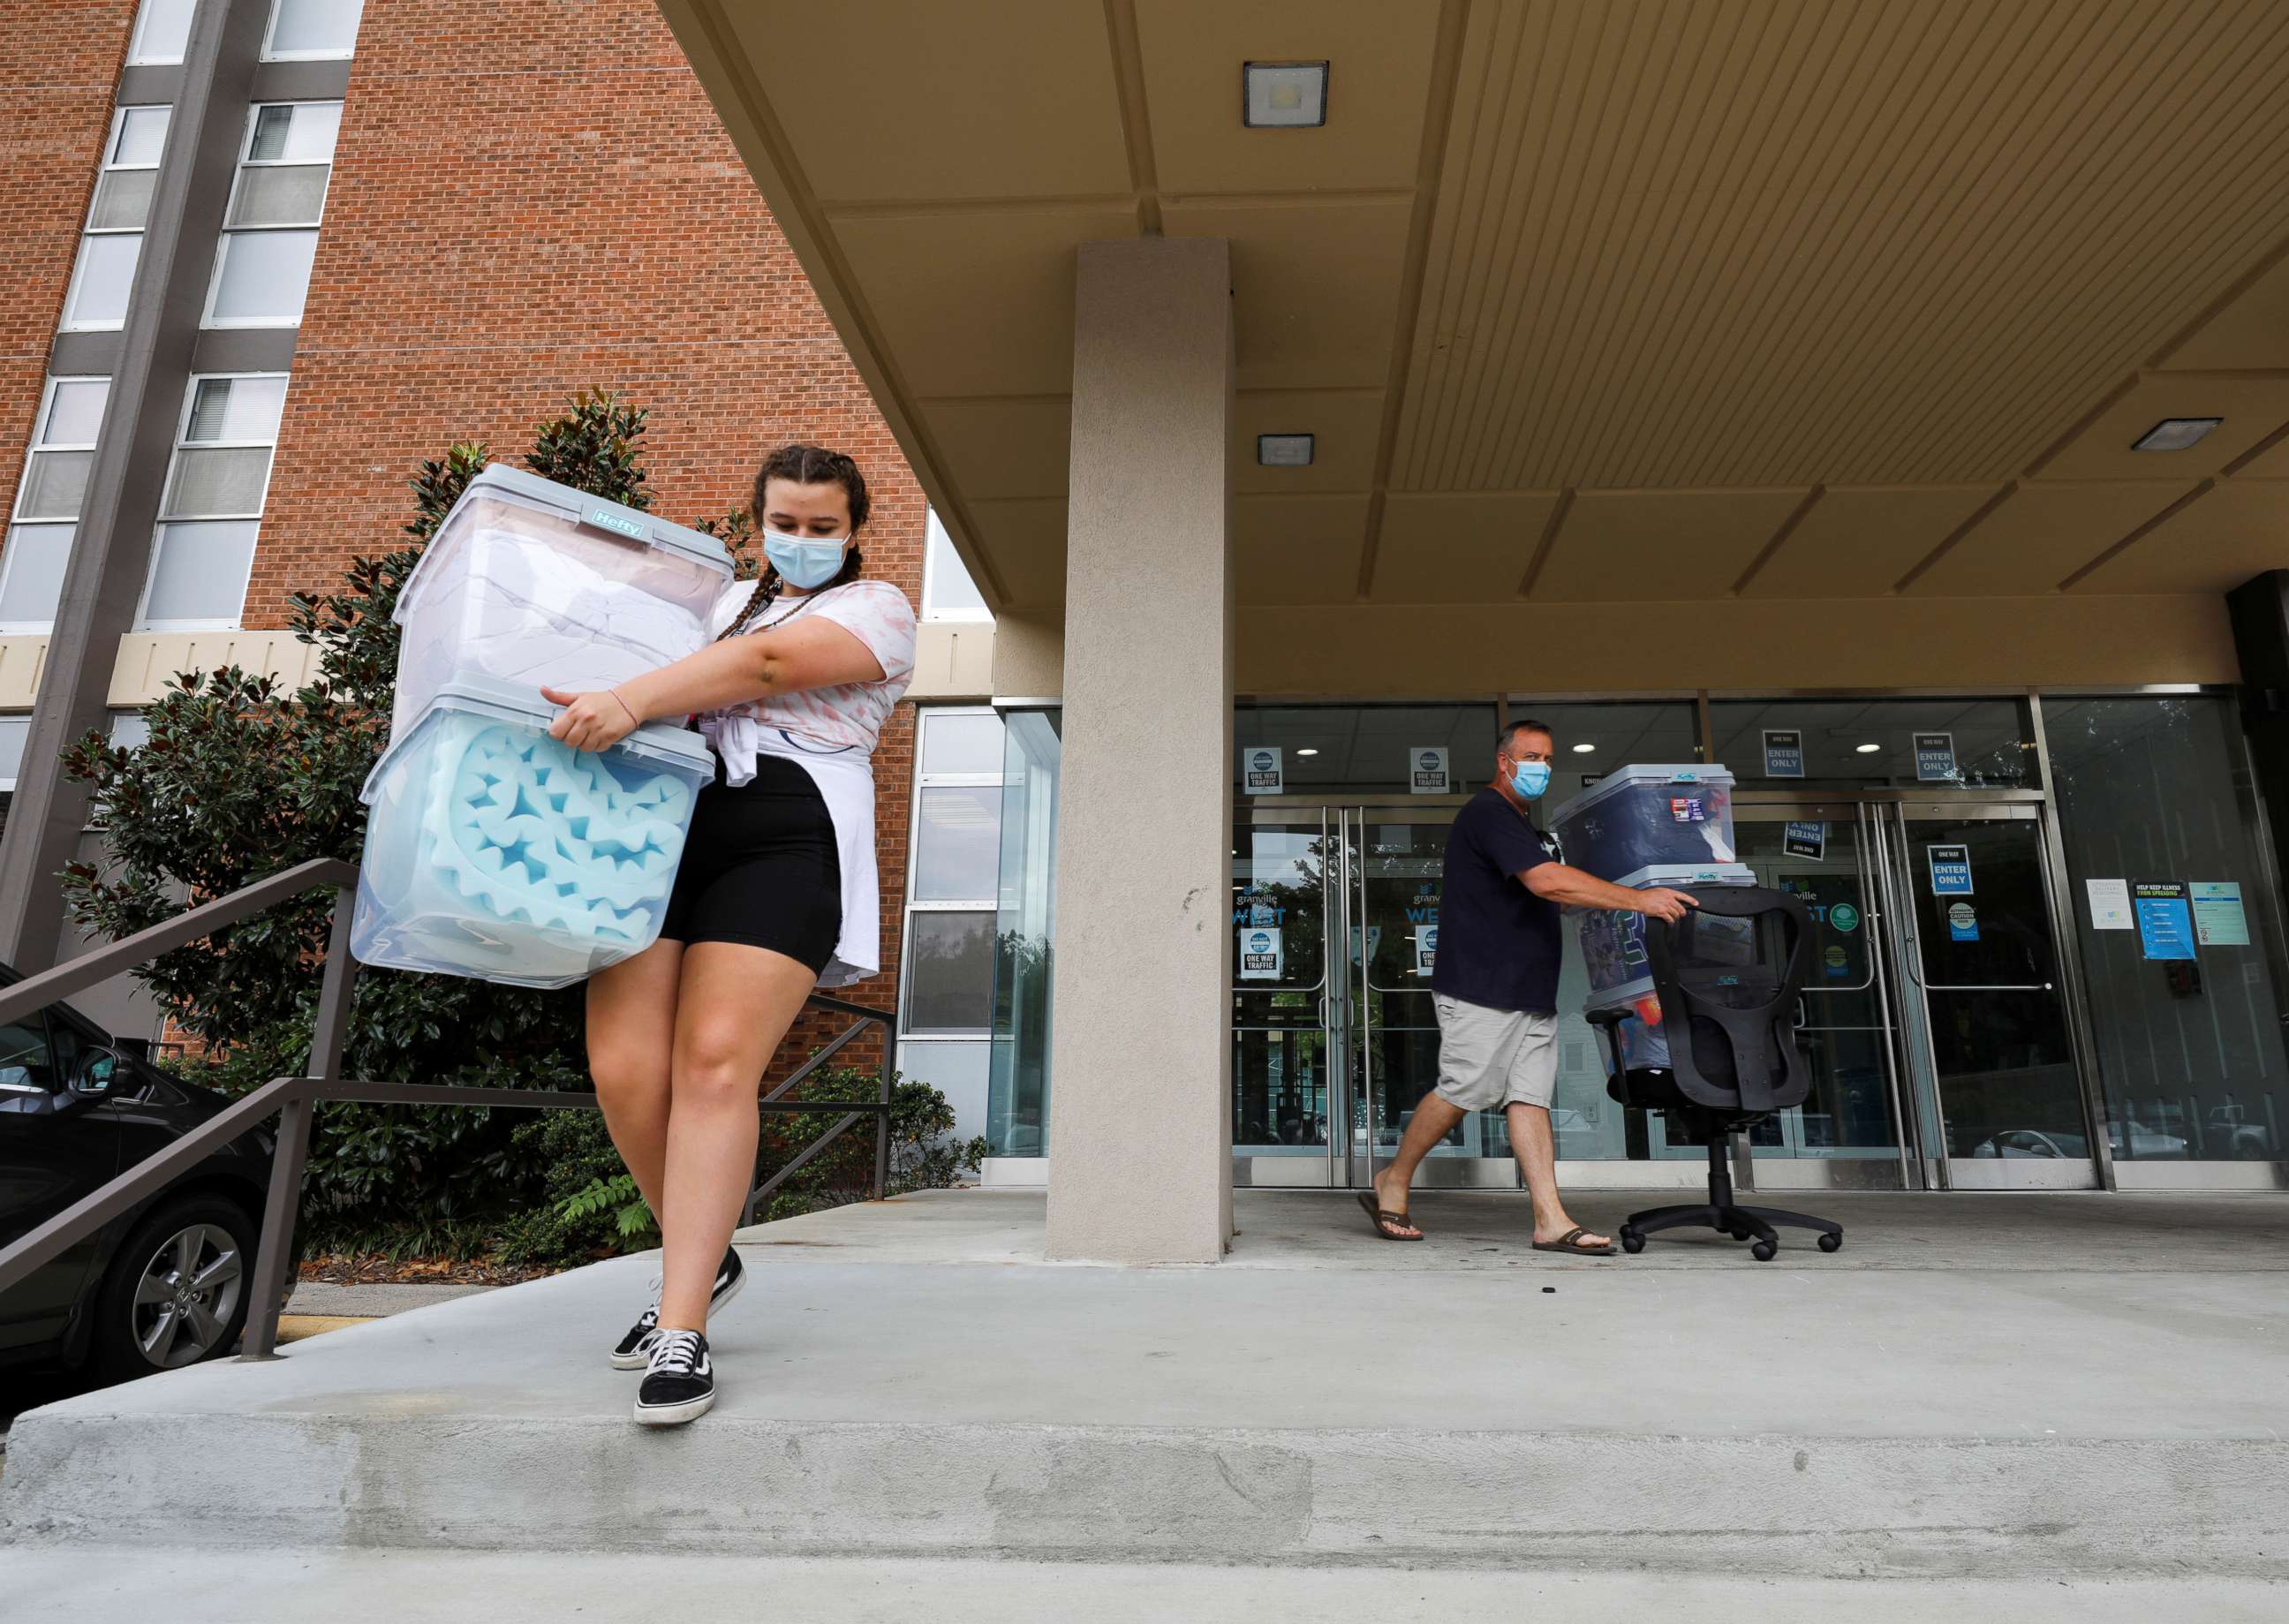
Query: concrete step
x,y
1709,1415
355,1586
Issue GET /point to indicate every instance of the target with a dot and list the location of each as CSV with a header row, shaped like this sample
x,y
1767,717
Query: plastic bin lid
x,y
1679,876
656,742
629,523
1625,777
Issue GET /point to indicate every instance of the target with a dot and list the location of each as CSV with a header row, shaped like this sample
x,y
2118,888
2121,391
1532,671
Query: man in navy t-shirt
x,y
1495,982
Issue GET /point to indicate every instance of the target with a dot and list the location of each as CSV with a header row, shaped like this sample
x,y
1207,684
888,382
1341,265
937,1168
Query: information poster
x,y
1951,870
1805,840
2110,904
1935,758
2219,920
1783,753
1426,770
1426,949
1845,917
1264,774
1962,922
2165,923
1259,955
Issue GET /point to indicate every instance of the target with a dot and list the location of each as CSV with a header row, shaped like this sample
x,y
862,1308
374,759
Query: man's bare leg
x,y
1434,1118
1538,1159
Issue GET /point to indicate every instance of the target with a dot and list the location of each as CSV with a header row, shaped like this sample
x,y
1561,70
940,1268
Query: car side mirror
x,y
97,1071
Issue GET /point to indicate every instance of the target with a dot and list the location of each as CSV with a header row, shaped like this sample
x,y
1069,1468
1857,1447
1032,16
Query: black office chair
x,y
1727,975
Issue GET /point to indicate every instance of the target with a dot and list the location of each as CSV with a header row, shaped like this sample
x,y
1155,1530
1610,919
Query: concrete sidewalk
x,y
1997,1387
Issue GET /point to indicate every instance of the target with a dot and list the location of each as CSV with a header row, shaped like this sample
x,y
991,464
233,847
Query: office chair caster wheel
x,y
1763,1251
1738,1233
1632,1242
1831,1243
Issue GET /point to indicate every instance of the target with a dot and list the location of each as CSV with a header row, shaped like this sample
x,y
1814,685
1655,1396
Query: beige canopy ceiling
x,y
1610,301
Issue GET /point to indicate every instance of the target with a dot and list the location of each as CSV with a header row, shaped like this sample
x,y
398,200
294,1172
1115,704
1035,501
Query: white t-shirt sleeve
x,y
878,615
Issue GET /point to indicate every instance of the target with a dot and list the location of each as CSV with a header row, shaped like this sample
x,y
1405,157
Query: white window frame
x,y
270,32
135,57
246,160
966,616
989,906
143,621
89,228
10,553
8,784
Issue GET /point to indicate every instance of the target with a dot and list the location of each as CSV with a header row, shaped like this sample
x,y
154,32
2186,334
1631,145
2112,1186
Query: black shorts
x,y
759,867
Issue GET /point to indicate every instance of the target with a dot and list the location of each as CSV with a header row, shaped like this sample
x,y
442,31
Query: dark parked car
x,y
163,1286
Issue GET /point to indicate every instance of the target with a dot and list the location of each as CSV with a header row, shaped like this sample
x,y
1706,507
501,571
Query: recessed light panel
x,y
2175,433
1284,451
1283,95
1582,750
1868,749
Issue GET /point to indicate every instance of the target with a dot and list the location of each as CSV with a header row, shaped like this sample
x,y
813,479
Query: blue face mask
x,y
1530,778
804,562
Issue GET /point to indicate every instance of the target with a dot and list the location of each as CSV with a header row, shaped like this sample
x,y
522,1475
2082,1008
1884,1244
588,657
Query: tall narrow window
x,y
270,232
948,593
310,31
212,504
112,240
46,515
163,28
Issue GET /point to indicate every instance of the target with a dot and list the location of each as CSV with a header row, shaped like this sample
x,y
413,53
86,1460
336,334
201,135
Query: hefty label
x,y
1687,809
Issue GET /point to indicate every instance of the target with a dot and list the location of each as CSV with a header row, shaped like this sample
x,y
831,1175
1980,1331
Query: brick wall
x,y
59,63
564,211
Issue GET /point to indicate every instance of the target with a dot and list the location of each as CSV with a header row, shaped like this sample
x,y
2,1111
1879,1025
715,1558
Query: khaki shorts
x,y
1491,1058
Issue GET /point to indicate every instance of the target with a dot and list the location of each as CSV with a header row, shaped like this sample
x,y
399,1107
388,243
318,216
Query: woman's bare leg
x,y
734,1005
631,1038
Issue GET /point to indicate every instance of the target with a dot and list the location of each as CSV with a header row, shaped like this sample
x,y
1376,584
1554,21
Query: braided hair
x,y
805,465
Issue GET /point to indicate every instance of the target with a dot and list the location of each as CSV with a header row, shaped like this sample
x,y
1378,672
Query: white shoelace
x,y
674,1353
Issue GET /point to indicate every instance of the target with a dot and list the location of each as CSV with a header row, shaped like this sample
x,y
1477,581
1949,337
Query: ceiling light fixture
x,y
2175,433
1868,749
1307,751
1582,750
1283,95
1284,451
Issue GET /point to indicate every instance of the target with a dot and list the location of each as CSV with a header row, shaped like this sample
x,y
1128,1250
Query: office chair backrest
x,y
1727,975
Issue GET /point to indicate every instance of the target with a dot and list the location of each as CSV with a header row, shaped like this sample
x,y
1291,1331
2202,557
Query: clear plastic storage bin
x,y
493,851
534,583
1648,817
1612,939
1645,1044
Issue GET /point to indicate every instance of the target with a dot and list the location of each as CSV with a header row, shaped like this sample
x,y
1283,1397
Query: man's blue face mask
x,y
1530,778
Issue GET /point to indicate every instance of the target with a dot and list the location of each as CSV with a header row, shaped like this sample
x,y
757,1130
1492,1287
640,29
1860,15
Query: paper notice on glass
x,y
1259,955
2219,920
2110,904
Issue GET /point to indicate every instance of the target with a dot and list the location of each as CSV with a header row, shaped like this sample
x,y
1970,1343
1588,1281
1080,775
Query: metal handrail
x,y
292,1098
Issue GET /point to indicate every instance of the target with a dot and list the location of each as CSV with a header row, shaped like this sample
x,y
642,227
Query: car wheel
x,y
176,1291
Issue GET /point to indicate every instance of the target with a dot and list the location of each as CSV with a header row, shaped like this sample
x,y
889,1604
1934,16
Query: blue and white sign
x,y
1261,772
1951,870
1805,840
1962,923
1935,758
2219,919
1845,917
1426,949
1426,770
1259,955
1783,753
2165,919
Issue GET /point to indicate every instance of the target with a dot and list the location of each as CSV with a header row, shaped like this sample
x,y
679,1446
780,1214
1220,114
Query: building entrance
x,y
1936,1021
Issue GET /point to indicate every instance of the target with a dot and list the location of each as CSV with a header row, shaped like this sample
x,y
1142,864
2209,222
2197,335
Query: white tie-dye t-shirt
x,y
849,715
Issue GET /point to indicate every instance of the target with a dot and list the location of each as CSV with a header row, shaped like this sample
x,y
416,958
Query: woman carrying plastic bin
x,y
776,893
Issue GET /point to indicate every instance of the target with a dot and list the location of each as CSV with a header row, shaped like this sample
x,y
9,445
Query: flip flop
x,y
1569,1242
1380,1218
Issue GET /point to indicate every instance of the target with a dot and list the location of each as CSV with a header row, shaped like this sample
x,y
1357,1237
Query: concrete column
x,y
1140,1108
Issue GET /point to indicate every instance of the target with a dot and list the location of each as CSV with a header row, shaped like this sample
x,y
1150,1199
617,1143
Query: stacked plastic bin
x,y
1642,827
492,851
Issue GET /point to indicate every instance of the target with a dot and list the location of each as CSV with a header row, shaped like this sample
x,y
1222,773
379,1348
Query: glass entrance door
x,y
1934,1019
1996,1094
1335,918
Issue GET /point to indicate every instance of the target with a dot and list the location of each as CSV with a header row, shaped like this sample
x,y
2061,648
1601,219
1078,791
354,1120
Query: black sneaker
x,y
679,1385
634,1349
